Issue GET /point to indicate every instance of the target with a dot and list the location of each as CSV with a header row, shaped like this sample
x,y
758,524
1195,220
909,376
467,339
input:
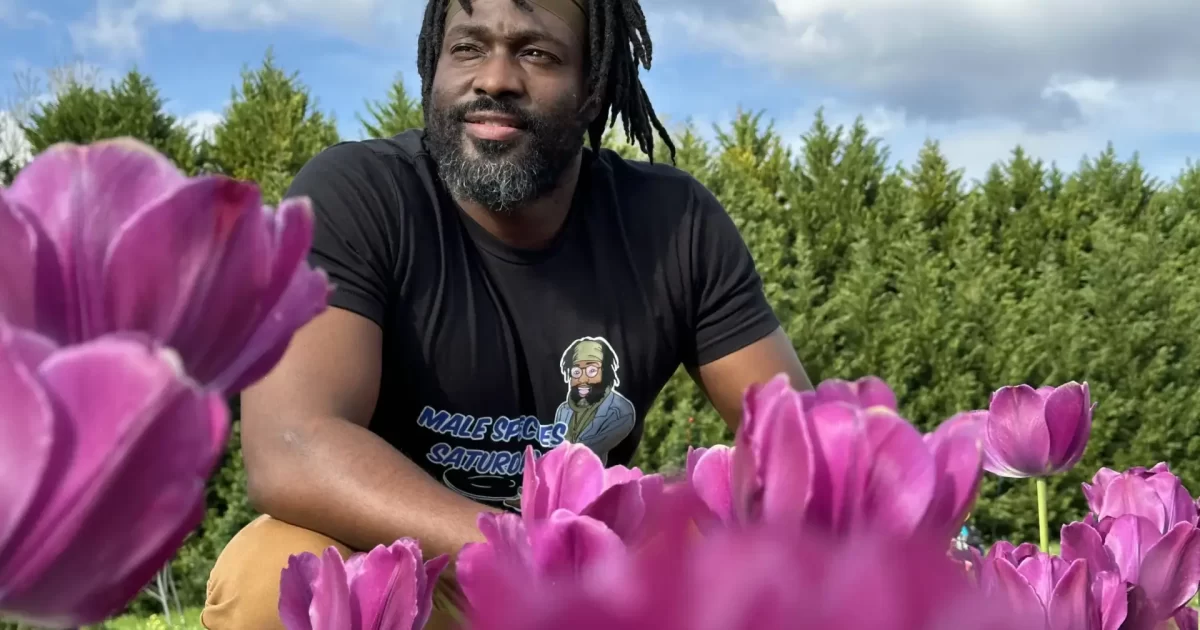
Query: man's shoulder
x,y
653,195
644,175
398,156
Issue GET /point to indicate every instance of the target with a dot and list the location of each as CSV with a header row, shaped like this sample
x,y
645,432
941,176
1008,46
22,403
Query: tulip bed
x,y
134,300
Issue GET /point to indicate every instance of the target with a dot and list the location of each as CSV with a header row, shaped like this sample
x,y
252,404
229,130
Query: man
x,y
478,265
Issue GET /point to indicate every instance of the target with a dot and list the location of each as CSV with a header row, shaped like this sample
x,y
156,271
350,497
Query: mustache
x,y
488,104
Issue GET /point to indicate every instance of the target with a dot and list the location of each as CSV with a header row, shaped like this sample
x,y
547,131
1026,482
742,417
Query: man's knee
x,y
243,589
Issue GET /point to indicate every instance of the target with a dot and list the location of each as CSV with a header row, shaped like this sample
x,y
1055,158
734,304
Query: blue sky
x,y
978,75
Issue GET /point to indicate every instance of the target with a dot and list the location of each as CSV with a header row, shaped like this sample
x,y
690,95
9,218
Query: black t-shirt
x,y
488,348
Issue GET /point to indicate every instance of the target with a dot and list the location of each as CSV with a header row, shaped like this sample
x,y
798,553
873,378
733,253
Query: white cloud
x,y
116,26
944,60
202,123
12,140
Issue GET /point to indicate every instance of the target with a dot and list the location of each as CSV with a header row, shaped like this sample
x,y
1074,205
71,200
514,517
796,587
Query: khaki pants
x,y
243,590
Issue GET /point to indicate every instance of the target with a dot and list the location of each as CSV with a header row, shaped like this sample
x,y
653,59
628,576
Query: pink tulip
x,y
105,447
1036,432
866,392
572,477
112,237
841,467
1062,593
1155,494
1164,567
710,473
756,577
388,588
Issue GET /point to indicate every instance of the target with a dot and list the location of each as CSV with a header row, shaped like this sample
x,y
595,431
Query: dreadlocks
x,y
617,31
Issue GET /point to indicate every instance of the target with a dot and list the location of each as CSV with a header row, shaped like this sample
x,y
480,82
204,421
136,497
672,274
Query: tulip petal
x,y
1178,503
93,187
568,544
901,478
1039,572
835,390
874,392
1070,606
330,607
159,262
1080,541
771,465
1017,440
33,292
1128,494
1094,492
1186,618
1128,541
1109,592
839,465
1016,589
505,556
1068,413
569,477
136,427
27,428
384,586
622,507
295,590
1170,568
291,295
433,572
956,447
711,475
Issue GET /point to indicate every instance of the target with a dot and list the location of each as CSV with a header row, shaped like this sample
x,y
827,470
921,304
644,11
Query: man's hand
x,y
725,380
311,460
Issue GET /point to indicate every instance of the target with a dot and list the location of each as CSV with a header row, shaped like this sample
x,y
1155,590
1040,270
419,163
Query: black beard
x,y
502,176
595,394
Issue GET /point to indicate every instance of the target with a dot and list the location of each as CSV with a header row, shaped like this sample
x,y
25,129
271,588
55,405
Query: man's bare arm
x,y
310,460
725,380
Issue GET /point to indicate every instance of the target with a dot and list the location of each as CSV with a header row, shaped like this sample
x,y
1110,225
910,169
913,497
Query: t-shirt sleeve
x,y
354,229
729,309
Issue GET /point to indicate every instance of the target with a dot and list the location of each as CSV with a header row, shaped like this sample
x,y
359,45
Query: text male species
x,y
499,284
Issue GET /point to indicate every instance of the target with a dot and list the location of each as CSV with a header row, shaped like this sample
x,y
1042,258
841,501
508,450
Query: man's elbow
x,y
271,474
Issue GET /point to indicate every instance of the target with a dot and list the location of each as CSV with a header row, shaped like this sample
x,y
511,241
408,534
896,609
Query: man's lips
x,y
492,126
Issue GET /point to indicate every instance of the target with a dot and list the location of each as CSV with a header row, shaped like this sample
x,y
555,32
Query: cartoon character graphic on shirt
x,y
595,412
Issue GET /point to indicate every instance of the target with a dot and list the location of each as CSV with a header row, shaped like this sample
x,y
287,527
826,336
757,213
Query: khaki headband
x,y
570,11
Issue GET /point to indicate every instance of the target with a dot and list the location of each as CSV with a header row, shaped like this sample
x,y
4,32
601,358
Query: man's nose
x,y
501,76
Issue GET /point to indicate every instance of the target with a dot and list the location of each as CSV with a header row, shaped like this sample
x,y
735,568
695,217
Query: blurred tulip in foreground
x,y
1036,432
839,467
388,588
105,448
112,237
760,577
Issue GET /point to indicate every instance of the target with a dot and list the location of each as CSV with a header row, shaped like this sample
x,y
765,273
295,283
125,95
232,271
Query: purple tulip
x,y
105,447
764,577
866,392
840,467
1061,592
572,477
1036,432
560,546
1164,567
111,237
1155,494
388,588
710,473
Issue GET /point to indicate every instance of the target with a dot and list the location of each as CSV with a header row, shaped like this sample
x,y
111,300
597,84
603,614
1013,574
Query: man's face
x,y
504,119
587,381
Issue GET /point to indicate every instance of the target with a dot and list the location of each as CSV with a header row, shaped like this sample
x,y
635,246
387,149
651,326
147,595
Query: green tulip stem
x,y
1043,513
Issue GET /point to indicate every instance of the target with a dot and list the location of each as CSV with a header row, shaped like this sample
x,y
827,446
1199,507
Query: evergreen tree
x,y
397,113
82,113
270,130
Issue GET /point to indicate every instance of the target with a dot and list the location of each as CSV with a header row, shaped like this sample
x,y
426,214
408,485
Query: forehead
x,y
506,19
